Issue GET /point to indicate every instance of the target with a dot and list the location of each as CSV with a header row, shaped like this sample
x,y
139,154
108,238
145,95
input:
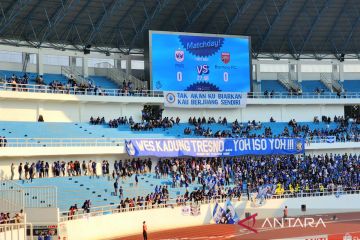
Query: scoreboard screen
x,y
199,62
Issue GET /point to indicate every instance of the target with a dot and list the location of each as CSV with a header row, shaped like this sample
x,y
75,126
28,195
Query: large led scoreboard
x,y
199,62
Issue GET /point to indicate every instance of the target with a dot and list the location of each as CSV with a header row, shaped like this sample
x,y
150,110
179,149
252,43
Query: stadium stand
x,y
352,85
103,82
184,178
95,145
272,85
33,130
313,86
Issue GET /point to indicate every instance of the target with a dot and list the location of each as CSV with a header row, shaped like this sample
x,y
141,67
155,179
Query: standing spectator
x,y
86,206
121,192
144,230
94,168
20,169
136,180
116,186
12,171
26,168
47,166
84,168
31,172
285,211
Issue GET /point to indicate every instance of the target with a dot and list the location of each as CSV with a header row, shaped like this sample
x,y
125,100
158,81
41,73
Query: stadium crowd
x,y
41,169
344,130
215,177
5,218
20,83
232,177
3,141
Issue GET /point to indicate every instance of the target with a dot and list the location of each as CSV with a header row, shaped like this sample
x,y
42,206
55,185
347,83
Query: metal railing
x,y
28,197
118,76
149,93
40,197
16,231
12,196
315,193
77,91
114,142
171,203
283,78
11,200
64,142
326,79
110,209
69,71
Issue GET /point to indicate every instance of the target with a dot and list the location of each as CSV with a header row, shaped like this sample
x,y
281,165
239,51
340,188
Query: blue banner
x,y
214,147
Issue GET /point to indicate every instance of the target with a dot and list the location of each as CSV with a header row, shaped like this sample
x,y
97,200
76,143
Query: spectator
x,y
41,118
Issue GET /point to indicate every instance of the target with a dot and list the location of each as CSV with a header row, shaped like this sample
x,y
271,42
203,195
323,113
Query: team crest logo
x,y
170,98
179,55
130,148
225,57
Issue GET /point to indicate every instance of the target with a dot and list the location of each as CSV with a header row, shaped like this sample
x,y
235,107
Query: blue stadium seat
x,y
31,130
309,86
49,77
270,85
103,82
98,190
352,85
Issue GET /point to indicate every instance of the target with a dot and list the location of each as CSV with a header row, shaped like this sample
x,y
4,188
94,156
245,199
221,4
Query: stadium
x,y
179,119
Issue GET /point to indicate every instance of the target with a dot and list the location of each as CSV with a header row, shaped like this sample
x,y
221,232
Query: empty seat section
x,y
103,82
271,85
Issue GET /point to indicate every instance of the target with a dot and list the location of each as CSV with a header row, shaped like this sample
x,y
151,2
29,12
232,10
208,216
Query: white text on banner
x,y
205,99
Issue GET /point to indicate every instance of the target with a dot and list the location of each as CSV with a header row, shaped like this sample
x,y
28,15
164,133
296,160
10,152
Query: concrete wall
x,y
261,112
123,224
21,106
42,215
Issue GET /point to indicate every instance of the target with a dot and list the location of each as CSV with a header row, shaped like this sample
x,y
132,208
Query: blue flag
x,y
218,213
231,215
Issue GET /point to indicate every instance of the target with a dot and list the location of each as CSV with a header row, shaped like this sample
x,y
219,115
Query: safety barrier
x,y
171,203
18,197
148,93
16,231
64,142
111,142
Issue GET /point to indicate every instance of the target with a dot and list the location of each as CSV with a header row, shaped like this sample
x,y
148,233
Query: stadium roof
x,y
277,27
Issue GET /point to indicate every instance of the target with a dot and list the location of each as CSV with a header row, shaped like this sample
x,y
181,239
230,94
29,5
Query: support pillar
x,y
40,62
128,66
257,72
85,68
298,71
341,71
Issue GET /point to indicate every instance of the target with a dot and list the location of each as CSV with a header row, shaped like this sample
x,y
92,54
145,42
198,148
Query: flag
x,y
217,213
231,215
330,139
267,190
